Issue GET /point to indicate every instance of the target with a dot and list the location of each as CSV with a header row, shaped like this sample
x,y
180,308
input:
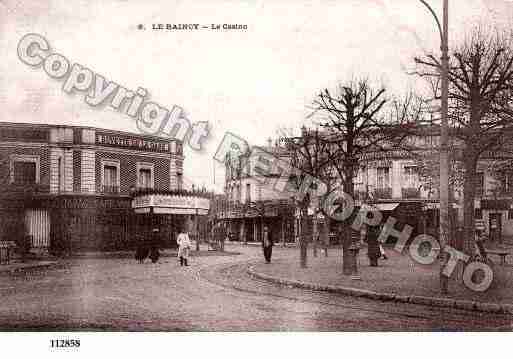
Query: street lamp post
x,y
444,129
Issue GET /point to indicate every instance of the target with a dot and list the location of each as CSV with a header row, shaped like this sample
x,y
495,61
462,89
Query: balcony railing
x,y
28,187
383,193
110,189
410,192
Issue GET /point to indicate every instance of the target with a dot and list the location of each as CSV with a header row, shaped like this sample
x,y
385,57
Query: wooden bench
x,y
501,253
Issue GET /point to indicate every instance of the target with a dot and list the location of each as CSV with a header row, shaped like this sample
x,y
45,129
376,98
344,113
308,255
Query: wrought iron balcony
x,y
110,189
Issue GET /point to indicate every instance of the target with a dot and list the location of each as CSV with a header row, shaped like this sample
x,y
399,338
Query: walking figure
x,y
154,246
184,246
267,244
142,250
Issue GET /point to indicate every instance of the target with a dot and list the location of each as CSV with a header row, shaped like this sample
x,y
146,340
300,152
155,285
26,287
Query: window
x,y
479,183
24,169
179,181
248,192
478,213
60,170
383,174
24,172
506,182
410,177
145,178
510,213
110,177
145,175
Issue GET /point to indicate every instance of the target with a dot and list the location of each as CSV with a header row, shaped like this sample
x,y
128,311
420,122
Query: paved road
x,y
213,294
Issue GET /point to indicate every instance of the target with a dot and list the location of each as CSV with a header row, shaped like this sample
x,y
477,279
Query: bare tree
x,y
309,153
358,119
480,113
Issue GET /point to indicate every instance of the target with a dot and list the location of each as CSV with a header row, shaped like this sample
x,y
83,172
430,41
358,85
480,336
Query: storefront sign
x,y
163,210
162,203
132,142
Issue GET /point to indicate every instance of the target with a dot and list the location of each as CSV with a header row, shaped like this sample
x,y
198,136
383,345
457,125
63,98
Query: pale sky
x,y
247,82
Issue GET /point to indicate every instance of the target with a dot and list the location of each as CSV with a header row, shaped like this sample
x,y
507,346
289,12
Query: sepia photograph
x,y
255,166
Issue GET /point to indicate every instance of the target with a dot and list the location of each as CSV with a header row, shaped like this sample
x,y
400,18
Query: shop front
x,y
170,212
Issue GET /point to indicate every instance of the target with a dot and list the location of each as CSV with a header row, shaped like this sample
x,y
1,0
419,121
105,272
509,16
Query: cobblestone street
x,y
213,294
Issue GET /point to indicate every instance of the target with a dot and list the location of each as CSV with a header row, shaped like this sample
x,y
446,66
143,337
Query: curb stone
x,y
414,299
30,268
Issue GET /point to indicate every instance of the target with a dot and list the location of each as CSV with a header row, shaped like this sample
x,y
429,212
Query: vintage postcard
x,y
255,166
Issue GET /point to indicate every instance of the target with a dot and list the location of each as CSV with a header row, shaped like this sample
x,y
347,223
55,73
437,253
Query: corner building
x,y
70,188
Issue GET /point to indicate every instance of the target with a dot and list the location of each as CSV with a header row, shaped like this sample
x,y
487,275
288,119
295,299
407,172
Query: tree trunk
x,y
196,233
303,245
326,235
349,264
315,236
466,244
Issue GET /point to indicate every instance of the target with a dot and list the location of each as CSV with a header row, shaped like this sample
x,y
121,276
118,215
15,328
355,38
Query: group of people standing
x,y
219,236
150,248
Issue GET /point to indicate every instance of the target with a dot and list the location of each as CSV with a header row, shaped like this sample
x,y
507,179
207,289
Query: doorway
x,y
495,226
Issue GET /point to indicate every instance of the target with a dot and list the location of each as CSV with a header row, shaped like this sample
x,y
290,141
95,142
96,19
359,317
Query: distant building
x,y
251,201
392,181
389,179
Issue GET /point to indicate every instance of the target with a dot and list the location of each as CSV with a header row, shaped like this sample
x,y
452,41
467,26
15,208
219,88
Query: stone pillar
x,y
87,163
56,172
68,170
87,171
396,180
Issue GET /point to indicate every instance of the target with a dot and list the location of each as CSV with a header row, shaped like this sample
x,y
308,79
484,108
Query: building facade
x,y
251,201
70,188
399,182
395,180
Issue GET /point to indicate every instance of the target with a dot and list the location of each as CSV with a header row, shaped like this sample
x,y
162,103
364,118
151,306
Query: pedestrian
x,y
142,250
479,240
324,236
184,246
382,251
373,246
154,246
215,236
267,244
222,238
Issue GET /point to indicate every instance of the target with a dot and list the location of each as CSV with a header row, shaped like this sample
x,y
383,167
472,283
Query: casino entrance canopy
x,y
171,202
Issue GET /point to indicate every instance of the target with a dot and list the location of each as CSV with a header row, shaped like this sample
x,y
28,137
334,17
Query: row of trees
x,y
358,117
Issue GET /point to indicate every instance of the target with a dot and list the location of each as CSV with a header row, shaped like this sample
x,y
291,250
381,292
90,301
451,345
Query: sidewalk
x,y
15,267
167,252
259,244
399,278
